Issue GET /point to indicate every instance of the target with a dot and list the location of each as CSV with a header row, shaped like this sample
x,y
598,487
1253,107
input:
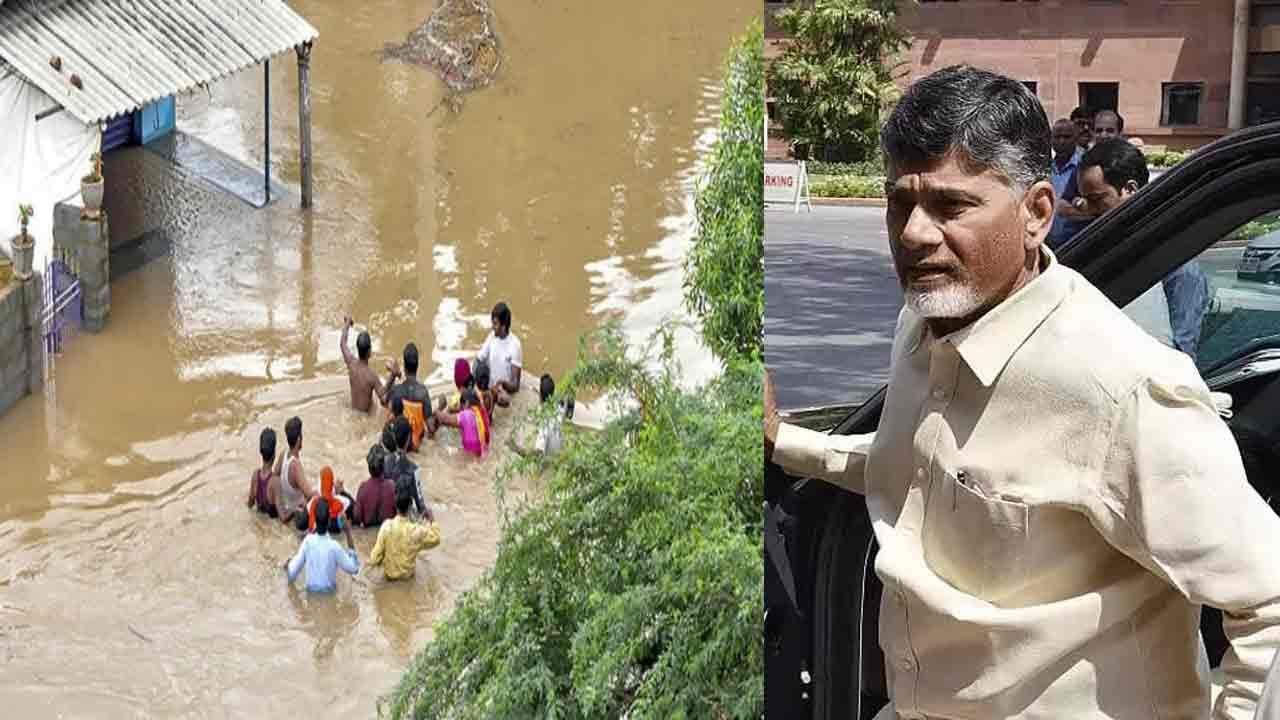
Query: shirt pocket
x,y
974,540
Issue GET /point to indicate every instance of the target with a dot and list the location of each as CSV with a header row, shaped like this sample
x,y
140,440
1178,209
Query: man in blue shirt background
x,y
1067,220
322,555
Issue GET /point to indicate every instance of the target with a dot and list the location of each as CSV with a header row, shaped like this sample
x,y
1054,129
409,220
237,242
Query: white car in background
x,y
1261,259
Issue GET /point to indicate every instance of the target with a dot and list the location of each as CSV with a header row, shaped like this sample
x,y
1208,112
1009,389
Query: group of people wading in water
x,y
391,499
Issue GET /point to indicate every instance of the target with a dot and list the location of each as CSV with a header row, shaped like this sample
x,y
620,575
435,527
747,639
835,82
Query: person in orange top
x,y
413,395
338,503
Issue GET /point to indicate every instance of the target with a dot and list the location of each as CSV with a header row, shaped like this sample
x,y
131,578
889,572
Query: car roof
x,y
1268,240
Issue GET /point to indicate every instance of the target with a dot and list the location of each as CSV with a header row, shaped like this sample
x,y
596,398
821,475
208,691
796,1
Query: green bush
x,y
1254,228
849,186
724,271
866,167
634,585
1165,159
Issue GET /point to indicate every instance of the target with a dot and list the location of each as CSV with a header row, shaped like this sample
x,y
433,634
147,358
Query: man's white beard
x,y
953,300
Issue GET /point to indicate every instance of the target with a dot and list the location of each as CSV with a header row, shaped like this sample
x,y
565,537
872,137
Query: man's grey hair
x,y
988,121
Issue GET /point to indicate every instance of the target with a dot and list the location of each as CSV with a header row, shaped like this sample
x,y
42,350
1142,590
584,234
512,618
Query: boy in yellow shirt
x,y
401,539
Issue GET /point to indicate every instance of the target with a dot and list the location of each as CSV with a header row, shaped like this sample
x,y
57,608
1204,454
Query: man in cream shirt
x,y
1053,491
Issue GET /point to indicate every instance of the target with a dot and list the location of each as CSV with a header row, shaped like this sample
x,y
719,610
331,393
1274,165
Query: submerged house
x,y
83,76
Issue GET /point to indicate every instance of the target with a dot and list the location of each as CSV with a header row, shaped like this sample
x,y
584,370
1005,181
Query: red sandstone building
x,y
1180,72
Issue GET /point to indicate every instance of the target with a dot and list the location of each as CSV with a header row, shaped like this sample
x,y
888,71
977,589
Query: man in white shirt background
x,y
502,351
1053,491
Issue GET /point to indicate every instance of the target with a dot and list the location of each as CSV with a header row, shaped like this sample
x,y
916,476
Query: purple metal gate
x,y
63,303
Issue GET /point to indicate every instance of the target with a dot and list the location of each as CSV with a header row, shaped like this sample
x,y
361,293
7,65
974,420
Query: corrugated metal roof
x,y
128,53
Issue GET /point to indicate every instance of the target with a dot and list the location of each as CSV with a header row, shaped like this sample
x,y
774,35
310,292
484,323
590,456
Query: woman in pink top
x,y
472,423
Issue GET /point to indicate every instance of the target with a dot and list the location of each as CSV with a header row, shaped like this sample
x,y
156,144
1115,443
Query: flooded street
x,y
133,580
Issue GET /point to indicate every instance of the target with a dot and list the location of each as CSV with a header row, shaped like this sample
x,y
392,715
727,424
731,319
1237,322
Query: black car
x,y
822,598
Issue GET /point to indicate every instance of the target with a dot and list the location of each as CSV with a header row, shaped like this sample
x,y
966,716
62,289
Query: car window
x,y
1221,301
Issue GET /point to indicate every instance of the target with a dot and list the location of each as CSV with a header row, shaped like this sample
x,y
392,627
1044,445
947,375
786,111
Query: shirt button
x,y
907,664
939,393
920,473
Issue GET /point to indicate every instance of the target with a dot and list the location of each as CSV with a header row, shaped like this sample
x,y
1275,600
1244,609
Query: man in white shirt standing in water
x,y
502,351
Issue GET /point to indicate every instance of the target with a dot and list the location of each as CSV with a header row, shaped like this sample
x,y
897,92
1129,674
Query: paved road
x,y
831,300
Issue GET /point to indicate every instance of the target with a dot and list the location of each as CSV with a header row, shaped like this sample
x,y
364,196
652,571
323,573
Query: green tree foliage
x,y
1258,226
835,75
633,585
724,271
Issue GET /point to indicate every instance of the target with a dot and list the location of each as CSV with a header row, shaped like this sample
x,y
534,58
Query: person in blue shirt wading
x,y
322,555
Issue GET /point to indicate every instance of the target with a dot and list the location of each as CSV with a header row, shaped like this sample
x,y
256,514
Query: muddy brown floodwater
x,y
133,581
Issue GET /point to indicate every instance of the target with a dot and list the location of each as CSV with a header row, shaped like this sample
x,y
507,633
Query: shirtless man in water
x,y
364,381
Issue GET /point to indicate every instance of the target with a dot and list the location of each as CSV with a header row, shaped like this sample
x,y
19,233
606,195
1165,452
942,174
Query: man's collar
x,y
988,344
1072,162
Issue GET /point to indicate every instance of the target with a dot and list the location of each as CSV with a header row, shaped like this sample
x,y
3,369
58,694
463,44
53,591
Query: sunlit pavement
x,y
831,301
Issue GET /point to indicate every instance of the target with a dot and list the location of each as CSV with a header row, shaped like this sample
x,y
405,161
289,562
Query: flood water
x,y
133,580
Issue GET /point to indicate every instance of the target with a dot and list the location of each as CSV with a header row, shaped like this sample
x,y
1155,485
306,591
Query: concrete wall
x,y
86,244
21,356
1060,43
133,198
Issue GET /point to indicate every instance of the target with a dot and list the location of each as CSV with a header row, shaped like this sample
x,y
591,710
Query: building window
x,y
1100,96
1262,101
1264,64
1264,12
1181,104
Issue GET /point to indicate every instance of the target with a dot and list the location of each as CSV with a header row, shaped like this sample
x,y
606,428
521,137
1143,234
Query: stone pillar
x,y
93,255
21,354
87,243
1239,65
33,296
13,346
304,119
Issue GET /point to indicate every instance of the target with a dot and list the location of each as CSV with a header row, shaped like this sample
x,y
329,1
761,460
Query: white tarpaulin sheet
x,y
41,162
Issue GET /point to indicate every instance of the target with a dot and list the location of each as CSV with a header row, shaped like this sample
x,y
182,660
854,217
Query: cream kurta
x,y
1054,494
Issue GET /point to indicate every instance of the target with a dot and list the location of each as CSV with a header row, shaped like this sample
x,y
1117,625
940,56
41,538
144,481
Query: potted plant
x,y
23,244
91,187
